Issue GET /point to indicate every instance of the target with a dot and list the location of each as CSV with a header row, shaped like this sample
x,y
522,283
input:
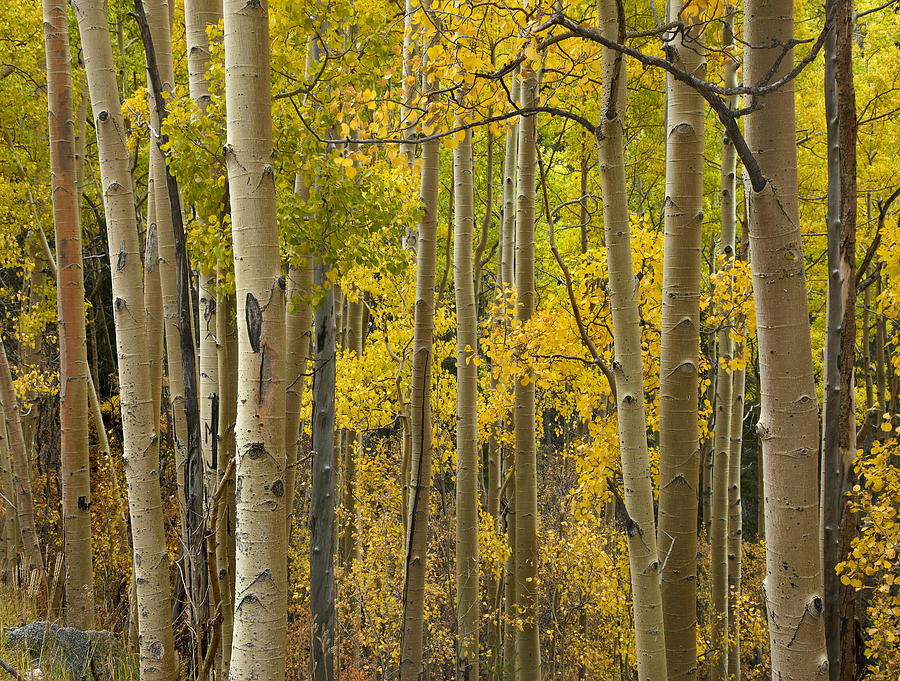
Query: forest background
x,y
455,338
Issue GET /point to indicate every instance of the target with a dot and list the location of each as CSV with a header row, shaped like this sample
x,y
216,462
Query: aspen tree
x,y
355,344
735,521
153,303
298,322
189,487
73,410
724,399
679,444
198,15
209,386
729,663
8,530
830,472
468,607
788,422
258,645
640,526
507,267
21,468
528,652
322,488
226,335
141,453
411,641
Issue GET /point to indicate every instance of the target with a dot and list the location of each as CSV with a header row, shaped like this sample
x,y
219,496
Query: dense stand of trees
x,y
634,431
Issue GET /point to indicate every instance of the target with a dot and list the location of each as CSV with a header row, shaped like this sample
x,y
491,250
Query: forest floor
x,y
16,609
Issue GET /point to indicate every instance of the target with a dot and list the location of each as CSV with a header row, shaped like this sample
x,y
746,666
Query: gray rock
x,y
73,654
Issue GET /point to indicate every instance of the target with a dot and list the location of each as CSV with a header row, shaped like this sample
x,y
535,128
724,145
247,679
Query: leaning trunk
x,y
21,467
139,423
640,526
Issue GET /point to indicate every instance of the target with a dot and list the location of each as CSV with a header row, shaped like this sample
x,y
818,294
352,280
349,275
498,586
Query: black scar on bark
x,y
254,316
83,503
256,450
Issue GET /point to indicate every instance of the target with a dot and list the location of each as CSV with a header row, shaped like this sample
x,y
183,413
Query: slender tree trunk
x,y
354,440
226,336
138,420
21,467
528,637
468,607
73,370
724,402
210,400
843,596
260,608
507,267
180,345
640,525
788,423
298,328
679,441
9,529
321,514
735,521
411,642
830,470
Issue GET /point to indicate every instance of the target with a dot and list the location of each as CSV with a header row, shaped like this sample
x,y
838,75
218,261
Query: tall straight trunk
x,y
507,265
354,440
788,422
735,521
298,322
260,608
724,402
729,661
528,649
73,370
139,423
415,565
226,336
153,304
679,440
640,527
844,595
420,415
831,502
198,15
322,490
181,388
8,530
468,607
21,467
210,401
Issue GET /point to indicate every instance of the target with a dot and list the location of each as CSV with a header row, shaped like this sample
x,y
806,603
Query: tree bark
x,y
73,370
322,490
8,530
735,523
679,441
640,526
528,651
260,608
411,641
788,423
138,420
468,607
21,467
